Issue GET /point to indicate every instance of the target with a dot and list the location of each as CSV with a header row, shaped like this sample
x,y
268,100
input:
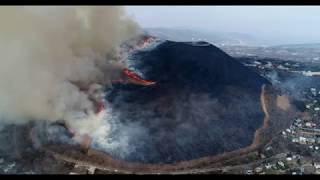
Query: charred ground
x,y
204,103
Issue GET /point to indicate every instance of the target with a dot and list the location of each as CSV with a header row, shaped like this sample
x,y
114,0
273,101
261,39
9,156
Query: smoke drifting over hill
x,y
44,49
204,103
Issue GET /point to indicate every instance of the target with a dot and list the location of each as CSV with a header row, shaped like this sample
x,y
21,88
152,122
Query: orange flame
x,y
134,78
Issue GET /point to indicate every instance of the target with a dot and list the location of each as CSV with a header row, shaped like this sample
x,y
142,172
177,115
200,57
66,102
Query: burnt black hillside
x,y
195,65
204,103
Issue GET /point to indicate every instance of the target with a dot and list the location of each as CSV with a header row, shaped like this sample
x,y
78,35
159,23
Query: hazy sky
x,y
286,24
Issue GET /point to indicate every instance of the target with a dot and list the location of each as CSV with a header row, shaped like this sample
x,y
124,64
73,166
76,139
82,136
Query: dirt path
x,y
258,134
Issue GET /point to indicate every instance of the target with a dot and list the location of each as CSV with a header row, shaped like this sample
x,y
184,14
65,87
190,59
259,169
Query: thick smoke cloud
x,y
44,49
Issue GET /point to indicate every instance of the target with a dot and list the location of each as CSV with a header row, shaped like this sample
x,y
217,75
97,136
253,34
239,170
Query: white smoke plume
x,y
44,49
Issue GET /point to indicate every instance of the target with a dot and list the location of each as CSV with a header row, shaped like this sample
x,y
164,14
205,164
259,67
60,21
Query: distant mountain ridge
x,y
303,45
217,38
